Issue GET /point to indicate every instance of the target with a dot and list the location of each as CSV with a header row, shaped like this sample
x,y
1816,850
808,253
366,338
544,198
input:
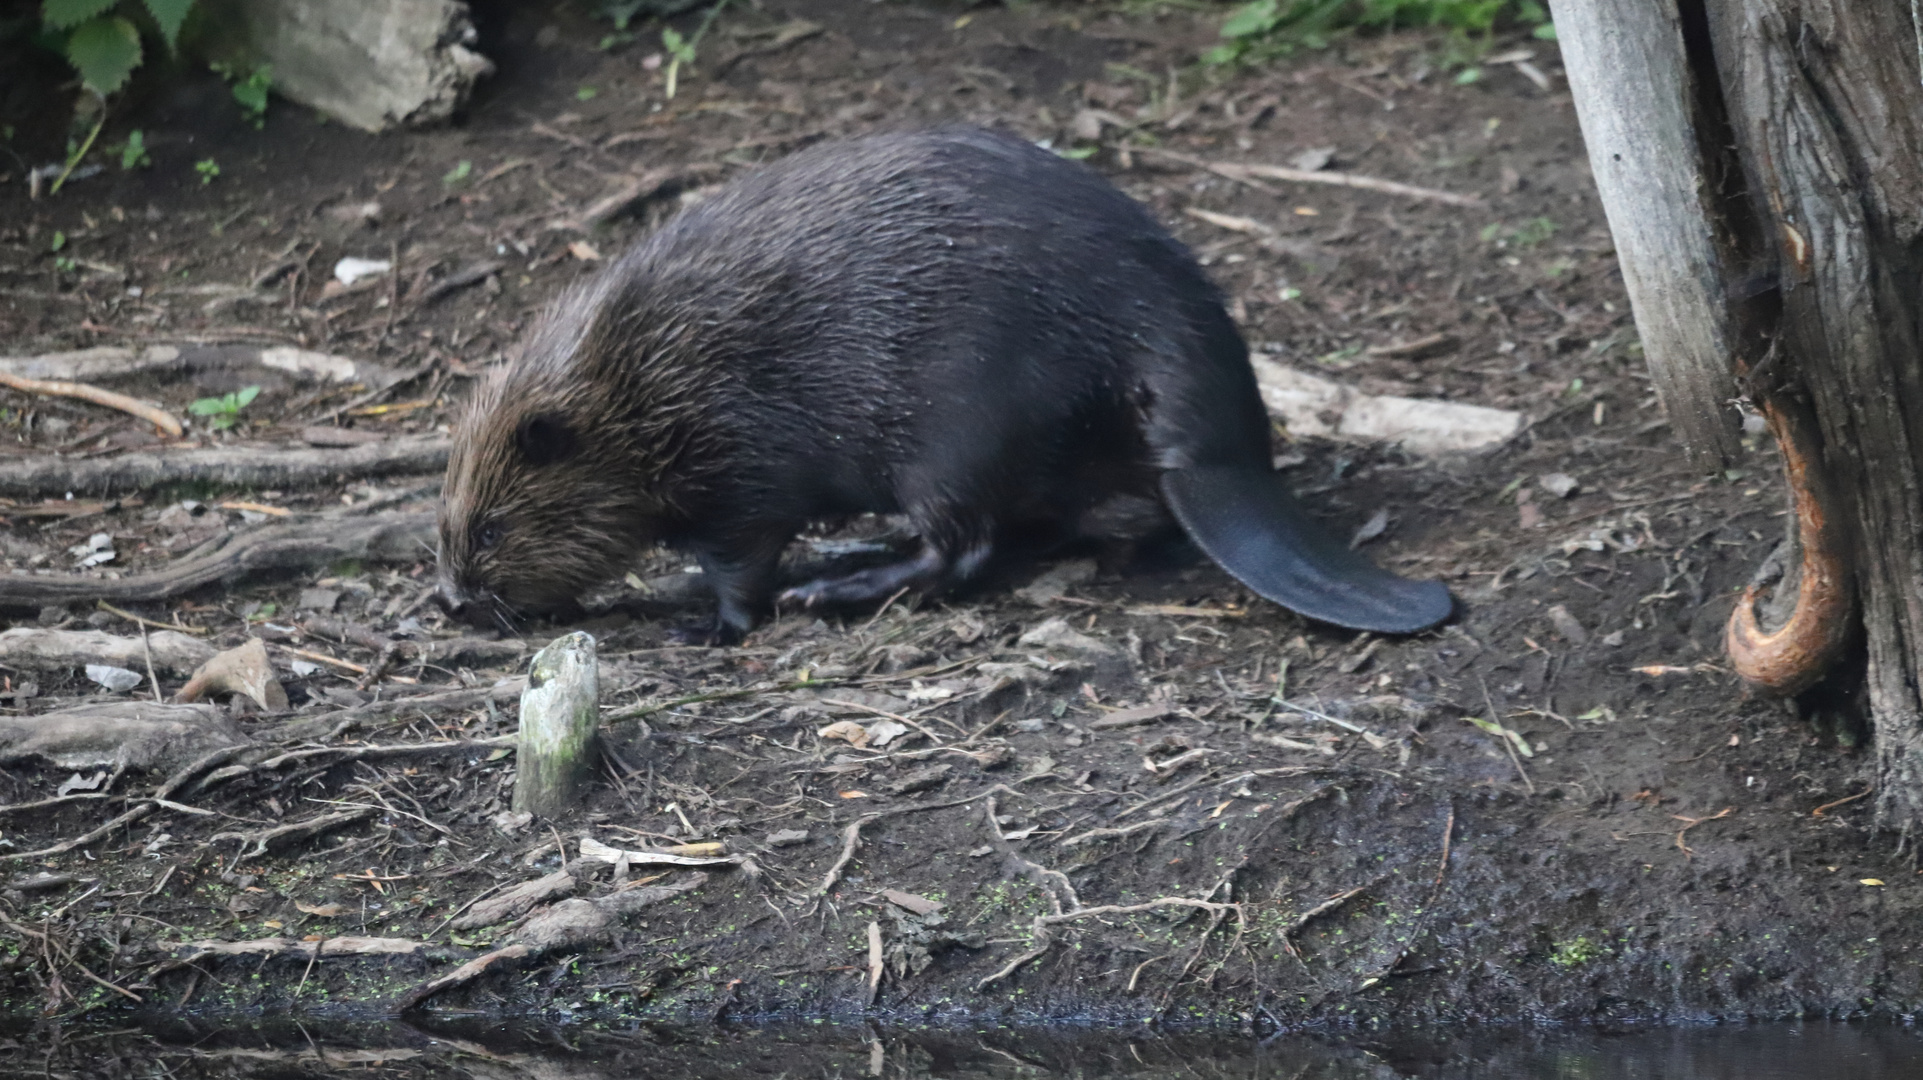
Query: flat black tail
x,y
1247,521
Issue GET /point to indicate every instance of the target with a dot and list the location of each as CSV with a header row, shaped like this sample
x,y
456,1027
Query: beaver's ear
x,y
545,440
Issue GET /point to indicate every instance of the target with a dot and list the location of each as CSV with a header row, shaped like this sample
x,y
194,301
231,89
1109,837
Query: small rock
x,y
1567,626
1057,634
788,838
322,600
98,549
511,822
117,679
1377,524
1613,639
1057,581
53,615
350,269
1314,159
920,780
1561,485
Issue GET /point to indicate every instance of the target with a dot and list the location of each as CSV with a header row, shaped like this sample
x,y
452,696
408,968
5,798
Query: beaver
x,y
955,325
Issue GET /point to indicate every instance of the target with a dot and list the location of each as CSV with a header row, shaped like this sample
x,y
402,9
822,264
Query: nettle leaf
x,y
67,14
105,52
1252,20
170,14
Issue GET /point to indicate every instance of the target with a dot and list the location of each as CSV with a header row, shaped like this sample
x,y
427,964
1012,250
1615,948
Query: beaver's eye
x,y
487,535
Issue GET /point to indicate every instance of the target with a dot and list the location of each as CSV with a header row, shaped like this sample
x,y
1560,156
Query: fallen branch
x,y
660,183
264,839
225,466
1252,174
1043,922
290,548
595,852
109,363
153,414
515,902
117,735
569,924
334,946
42,649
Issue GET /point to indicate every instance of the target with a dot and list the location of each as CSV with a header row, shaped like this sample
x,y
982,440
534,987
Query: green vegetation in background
x,y
1267,29
105,42
224,412
250,90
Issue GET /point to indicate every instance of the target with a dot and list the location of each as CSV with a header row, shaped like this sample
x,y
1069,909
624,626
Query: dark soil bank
x,y
424,1049
1117,792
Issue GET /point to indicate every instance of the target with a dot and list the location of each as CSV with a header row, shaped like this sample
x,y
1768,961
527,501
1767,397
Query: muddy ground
x,y
1336,842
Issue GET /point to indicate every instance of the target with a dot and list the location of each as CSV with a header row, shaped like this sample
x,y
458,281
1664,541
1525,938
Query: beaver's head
x,y
539,502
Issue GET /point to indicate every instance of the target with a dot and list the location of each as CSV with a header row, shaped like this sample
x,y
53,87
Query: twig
x,y
154,415
148,651
850,840
1428,906
46,940
1865,793
1247,173
636,712
1056,882
1043,922
1093,835
1507,743
200,631
1303,920
227,466
851,836
1690,823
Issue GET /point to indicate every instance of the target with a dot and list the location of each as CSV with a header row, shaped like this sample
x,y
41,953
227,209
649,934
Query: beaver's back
x,y
864,305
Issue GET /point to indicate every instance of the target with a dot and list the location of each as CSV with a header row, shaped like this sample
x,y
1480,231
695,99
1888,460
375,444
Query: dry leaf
x,y
325,911
243,669
584,251
847,731
920,905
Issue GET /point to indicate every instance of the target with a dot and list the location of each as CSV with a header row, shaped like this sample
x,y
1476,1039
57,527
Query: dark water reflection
x,y
185,1049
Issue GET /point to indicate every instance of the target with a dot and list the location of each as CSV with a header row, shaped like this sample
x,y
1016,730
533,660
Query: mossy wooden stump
x,y
560,715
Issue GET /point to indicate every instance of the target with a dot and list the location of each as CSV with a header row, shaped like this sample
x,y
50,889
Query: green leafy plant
x,y
102,40
1267,29
63,263
224,412
207,169
681,51
249,90
133,152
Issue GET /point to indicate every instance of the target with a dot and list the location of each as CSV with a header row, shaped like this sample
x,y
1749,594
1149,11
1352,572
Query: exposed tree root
x,y
1798,653
226,466
291,548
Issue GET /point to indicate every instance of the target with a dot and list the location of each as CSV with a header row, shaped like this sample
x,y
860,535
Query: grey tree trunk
x,y
1761,162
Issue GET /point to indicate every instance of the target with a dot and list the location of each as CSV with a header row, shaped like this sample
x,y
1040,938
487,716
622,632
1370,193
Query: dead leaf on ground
x,y
243,669
847,731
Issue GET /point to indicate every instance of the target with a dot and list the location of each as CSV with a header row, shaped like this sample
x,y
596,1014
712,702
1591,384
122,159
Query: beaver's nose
x,y
456,601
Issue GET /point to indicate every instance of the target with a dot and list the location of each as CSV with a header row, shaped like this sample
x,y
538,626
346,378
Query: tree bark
x,y
1807,132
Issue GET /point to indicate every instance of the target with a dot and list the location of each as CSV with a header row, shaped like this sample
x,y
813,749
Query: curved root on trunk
x,y
1793,657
